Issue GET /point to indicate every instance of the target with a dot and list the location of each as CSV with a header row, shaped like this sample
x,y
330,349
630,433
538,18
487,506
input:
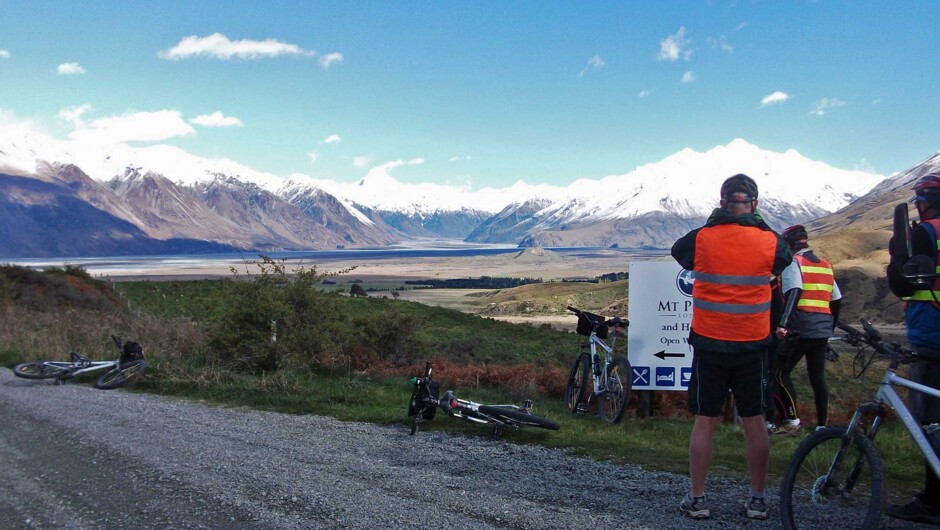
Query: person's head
x,y
927,196
796,236
739,194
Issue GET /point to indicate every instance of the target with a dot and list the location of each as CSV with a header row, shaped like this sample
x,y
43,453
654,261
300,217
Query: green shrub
x,y
278,317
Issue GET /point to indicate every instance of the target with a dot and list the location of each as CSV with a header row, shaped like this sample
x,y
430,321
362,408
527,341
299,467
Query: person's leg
x,y
708,387
749,394
925,507
815,352
771,389
756,451
701,446
788,355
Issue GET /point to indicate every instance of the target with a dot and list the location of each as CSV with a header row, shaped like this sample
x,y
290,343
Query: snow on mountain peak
x,y
685,183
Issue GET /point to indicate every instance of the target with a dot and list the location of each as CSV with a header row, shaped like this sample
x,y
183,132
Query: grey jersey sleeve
x,y
791,277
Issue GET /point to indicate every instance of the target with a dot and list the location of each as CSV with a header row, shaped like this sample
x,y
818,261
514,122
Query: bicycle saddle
x,y
76,358
446,401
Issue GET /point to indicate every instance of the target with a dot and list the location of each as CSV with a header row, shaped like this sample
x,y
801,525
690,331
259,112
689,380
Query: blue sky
x,y
482,93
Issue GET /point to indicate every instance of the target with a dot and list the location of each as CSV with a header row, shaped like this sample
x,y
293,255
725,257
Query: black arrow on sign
x,y
662,355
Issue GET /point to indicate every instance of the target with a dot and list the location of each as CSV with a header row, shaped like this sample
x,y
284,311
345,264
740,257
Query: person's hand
x,y
831,354
781,333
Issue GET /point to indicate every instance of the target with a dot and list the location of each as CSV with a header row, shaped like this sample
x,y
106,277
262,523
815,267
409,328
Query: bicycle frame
x,y
888,396
600,375
81,367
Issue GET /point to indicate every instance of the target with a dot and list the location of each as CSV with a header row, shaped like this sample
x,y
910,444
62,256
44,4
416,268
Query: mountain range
x,y
61,199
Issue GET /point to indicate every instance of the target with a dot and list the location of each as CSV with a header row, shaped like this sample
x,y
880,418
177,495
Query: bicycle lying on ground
x,y
836,477
424,404
611,375
129,365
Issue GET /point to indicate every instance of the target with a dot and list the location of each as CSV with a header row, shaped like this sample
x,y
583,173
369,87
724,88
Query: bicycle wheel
x,y
519,417
854,497
577,382
613,401
122,374
39,370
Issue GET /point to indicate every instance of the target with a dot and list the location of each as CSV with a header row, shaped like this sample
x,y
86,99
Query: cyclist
x,y
734,257
810,314
922,315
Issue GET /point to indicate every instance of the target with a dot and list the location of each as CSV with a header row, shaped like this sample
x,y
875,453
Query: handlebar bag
x,y
587,322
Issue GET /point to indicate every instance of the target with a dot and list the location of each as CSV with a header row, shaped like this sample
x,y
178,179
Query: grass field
x,y
479,358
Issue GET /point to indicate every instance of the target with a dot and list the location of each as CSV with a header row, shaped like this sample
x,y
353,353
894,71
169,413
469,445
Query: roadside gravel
x,y
74,457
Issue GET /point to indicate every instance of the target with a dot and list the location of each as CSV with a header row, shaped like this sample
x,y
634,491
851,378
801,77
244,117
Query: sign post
x,y
660,311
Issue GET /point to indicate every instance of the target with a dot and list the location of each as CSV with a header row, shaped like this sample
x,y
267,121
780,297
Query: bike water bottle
x,y
933,436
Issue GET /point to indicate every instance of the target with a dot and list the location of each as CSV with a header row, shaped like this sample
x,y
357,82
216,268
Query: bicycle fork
x,y
855,426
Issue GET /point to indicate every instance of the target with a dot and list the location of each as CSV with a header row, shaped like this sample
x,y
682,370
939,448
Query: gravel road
x,y
73,457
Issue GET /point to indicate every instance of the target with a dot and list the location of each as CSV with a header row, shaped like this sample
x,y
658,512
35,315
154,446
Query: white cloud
x,y
73,115
216,119
332,139
136,126
70,69
675,47
4,54
721,43
776,97
824,104
330,58
313,157
594,63
362,161
460,158
645,93
218,46
687,78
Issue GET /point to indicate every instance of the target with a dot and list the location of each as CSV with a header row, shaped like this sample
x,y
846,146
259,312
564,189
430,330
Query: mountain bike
x,y
130,364
835,479
610,375
424,404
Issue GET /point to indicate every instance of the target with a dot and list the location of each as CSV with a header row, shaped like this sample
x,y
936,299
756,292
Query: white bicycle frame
x,y
596,341
887,395
83,367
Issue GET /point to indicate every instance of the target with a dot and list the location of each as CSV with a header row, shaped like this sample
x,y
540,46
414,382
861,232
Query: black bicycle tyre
x,y
122,375
618,374
577,382
814,457
42,370
519,417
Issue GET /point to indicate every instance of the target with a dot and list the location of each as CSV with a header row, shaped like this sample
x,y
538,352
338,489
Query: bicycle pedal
x,y
582,408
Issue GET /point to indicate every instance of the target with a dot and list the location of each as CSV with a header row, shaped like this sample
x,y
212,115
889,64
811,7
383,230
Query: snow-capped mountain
x,y
168,193
655,203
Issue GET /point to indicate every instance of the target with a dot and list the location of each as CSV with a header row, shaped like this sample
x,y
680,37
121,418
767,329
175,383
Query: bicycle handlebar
x,y
615,321
872,337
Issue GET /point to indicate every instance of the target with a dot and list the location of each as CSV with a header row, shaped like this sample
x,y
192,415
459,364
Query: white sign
x,y
660,318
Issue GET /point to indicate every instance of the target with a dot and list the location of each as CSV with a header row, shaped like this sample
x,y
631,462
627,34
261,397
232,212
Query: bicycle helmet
x,y
796,236
927,189
739,188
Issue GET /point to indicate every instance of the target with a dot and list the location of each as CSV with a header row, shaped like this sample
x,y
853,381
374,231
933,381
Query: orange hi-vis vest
x,y
817,285
731,293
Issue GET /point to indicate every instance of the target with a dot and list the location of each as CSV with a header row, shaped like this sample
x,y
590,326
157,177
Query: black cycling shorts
x,y
715,373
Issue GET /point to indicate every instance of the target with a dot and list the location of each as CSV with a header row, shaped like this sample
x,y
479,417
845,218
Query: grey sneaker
x,y
756,508
694,506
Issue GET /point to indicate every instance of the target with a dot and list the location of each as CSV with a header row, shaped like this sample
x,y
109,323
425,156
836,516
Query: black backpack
x,y
131,352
